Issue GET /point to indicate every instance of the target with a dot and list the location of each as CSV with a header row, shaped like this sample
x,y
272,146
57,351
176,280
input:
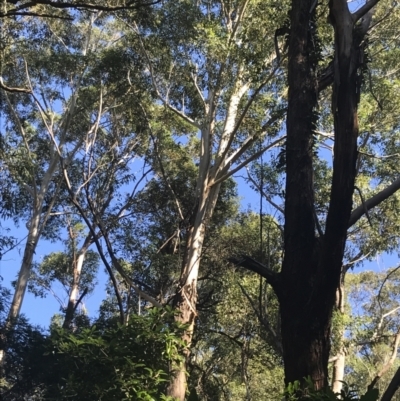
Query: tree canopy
x,y
130,132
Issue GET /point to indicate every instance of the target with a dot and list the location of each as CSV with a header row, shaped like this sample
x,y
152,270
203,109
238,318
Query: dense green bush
x,y
104,362
298,392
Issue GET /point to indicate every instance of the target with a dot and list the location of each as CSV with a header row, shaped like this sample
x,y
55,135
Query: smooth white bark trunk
x,y
340,362
74,292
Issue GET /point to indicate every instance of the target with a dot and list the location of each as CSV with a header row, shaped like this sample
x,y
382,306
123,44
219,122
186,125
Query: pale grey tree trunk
x,y
340,362
74,292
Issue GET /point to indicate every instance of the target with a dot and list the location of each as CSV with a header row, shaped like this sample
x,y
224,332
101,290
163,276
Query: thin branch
x,y
365,207
384,282
358,258
267,198
250,140
117,264
243,115
263,321
154,84
99,248
235,340
247,161
12,247
74,5
196,85
164,175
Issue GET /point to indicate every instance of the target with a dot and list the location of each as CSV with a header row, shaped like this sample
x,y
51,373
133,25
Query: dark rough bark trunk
x,y
305,331
312,264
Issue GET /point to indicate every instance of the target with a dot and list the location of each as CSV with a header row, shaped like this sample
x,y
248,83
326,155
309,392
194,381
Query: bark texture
x,y
305,335
186,295
312,263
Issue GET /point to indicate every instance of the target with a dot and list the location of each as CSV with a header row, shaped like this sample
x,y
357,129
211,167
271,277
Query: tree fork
x,y
312,266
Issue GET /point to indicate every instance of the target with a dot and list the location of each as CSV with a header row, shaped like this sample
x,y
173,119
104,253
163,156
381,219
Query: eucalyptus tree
x,y
75,269
49,118
208,69
29,119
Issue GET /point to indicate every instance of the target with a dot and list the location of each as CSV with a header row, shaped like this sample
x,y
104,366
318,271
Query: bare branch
x,y
267,198
250,264
247,161
264,322
11,89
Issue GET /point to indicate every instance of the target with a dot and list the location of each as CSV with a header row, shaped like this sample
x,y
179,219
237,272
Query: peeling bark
x,y
186,296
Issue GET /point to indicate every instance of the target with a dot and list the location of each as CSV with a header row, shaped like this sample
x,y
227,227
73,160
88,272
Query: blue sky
x,y
40,310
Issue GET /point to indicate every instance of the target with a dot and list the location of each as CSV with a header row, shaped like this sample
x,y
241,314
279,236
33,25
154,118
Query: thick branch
x,y
78,5
250,264
13,90
325,78
364,9
233,339
358,212
393,387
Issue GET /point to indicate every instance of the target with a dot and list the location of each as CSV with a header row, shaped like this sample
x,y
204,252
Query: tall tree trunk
x,y
186,295
36,225
22,283
25,270
312,264
304,329
74,292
